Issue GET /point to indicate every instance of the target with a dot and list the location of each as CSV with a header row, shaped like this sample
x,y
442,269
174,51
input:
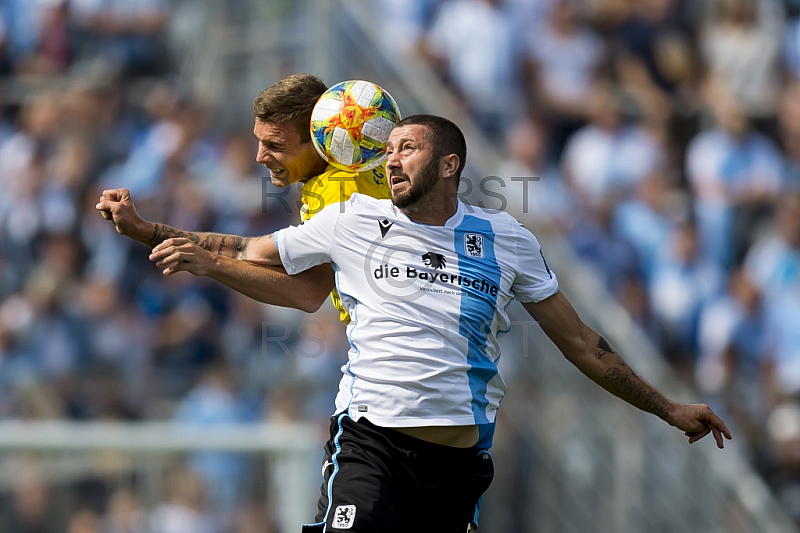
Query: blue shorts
x,y
379,480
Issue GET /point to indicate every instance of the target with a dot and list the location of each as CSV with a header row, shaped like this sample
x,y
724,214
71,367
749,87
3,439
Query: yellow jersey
x,y
334,186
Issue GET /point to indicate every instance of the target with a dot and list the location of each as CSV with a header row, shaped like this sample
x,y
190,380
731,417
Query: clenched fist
x,y
117,205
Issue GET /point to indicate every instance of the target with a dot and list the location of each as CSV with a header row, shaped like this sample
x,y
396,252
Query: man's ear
x,y
450,165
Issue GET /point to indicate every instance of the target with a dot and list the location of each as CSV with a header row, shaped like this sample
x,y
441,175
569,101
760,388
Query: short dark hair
x,y
291,100
445,137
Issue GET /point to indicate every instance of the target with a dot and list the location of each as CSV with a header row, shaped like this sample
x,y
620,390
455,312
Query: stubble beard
x,y
425,183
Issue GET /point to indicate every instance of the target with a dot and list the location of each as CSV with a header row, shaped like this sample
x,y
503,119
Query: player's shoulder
x,y
508,228
499,220
338,173
367,203
331,173
371,182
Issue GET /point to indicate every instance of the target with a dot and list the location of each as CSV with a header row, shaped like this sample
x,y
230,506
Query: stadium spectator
x,y
54,46
233,187
789,132
783,428
604,160
128,35
563,58
529,181
648,218
320,353
784,314
480,69
734,173
21,29
612,257
735,355
791,49
740,43
31,499
682,282
185,509
406,22
655,60
159,142
124,513
84,521
214,401
773,261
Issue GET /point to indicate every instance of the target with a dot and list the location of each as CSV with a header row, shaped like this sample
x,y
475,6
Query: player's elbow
x,y
310,306
314,287
312,301
578,346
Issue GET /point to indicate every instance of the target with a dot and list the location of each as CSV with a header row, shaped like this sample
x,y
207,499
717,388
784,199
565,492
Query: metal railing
x,y
278,462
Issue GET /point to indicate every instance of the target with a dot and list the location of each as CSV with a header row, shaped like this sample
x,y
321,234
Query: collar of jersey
x,y
451,222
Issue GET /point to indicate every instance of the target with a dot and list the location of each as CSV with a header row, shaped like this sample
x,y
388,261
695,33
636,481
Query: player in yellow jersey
x,y
287,106
282,114
334,186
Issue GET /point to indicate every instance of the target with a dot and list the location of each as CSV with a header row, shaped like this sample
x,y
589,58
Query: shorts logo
x,y
473,245
344,517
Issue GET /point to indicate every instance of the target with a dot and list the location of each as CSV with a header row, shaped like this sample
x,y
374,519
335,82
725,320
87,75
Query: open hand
x,y
182,255
697,421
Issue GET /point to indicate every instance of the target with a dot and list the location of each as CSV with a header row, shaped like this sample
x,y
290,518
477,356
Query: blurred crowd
x,y
89,328
665,135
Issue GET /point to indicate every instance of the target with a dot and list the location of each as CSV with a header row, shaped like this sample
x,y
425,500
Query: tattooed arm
x,y
595,357
240,263
228,245
117,205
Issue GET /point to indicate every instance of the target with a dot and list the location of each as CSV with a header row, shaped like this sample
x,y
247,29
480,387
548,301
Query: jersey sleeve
x,y
309,244
534,280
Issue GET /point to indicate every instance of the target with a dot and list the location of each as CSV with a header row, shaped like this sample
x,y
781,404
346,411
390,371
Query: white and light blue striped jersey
x,y
427,305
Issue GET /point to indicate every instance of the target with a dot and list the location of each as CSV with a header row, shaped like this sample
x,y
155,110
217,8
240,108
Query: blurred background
x,y
652,145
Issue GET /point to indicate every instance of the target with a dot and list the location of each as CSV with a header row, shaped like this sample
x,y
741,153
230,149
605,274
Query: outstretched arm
x,y
117,205
226,258
265,283
595,357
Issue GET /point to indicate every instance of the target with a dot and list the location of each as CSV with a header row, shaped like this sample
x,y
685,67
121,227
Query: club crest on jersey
x,y
344,517
473,245
432,259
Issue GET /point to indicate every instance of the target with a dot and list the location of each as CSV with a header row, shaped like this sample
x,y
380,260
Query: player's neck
x,y
432,210
319,168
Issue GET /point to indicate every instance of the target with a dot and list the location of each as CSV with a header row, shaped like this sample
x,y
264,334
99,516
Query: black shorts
x,y
379,480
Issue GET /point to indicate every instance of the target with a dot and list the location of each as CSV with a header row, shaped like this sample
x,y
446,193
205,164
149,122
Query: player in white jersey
x,y
446,287
426,280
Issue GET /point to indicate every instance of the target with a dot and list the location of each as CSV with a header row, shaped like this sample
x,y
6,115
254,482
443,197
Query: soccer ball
x,y
350,125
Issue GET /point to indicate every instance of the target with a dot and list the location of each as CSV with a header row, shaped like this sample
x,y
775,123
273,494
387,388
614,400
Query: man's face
x,y
281,150
411,167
